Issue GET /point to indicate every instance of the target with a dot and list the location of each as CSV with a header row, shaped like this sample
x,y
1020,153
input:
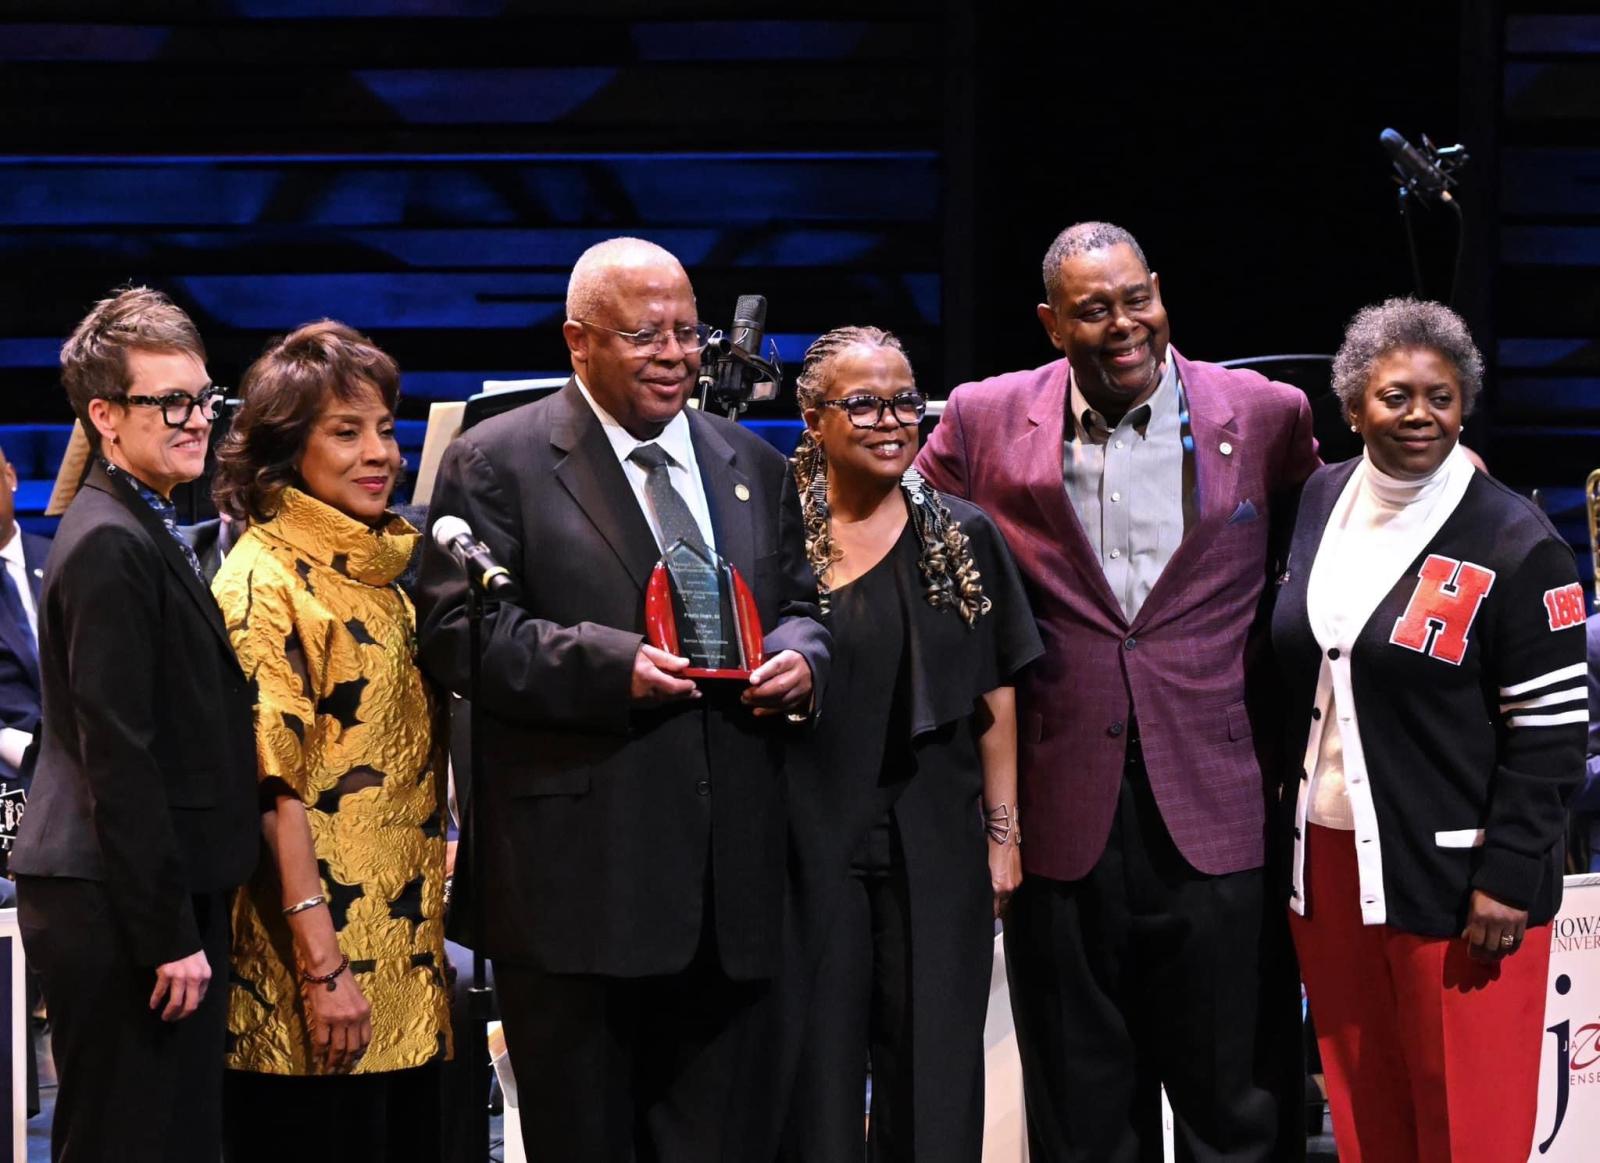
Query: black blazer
x,y
19,666
146,772
605,817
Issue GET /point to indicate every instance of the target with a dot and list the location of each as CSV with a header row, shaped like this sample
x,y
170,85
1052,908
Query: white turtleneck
x,y
1378,526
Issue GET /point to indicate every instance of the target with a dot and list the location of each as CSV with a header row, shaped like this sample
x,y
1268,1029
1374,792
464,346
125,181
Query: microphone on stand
x,y
733,372
749,323
1419,172
455,537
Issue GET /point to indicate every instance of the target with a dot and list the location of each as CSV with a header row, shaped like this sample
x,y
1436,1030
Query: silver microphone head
x,y
449,529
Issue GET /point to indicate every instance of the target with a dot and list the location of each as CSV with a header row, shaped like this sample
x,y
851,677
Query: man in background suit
x,y
634,859
23,556
1135,488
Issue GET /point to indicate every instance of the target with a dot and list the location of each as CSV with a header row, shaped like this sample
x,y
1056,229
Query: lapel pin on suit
x,y
1225,448
742,492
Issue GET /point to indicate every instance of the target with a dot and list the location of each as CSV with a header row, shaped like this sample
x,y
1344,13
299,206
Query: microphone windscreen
x,y
749,323
447,530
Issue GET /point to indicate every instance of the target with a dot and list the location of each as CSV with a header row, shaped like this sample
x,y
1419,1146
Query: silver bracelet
x,y
1003,825
310,902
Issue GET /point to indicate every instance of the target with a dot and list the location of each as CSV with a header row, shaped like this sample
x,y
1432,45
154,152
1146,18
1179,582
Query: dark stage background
x,y
427,171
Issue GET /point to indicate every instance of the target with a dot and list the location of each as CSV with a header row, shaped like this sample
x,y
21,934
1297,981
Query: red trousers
x,y
1428,1054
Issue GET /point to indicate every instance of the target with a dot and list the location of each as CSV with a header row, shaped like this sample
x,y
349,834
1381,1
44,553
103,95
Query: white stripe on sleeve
x,y
1557,720
1576,670
1571,694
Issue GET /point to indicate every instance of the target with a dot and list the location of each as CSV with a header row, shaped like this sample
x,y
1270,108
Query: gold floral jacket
x,y
345,722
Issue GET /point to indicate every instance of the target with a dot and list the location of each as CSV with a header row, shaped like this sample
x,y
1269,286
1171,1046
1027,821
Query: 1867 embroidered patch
x,y
1564,605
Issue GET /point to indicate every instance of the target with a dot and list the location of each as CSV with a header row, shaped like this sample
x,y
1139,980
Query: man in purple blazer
x,y
1136,489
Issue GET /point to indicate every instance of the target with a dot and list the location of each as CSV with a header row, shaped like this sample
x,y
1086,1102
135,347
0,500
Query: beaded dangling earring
x,y
812,464
818,489
931,523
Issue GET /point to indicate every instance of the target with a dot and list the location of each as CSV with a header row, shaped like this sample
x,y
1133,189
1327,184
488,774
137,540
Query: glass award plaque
x,y
698,607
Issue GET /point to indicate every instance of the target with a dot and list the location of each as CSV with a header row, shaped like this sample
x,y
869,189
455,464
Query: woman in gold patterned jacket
x,y
338,1014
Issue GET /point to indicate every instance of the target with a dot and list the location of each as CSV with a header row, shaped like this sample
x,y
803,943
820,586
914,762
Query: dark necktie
x,y
673,517
15,610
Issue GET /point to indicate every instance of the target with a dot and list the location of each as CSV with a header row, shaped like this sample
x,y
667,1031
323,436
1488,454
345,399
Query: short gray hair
x,y
1081,238
1400,325
589,287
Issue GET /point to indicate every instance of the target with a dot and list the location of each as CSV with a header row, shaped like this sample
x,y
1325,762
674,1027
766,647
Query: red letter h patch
x,y
1442,608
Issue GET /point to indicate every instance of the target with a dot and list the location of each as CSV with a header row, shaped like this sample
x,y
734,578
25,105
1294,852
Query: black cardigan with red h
x,y
1466,678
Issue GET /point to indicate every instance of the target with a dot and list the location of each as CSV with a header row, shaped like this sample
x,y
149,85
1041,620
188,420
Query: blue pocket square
x,y
1245,512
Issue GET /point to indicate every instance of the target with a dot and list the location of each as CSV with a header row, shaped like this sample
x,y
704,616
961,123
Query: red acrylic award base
x,y
661,623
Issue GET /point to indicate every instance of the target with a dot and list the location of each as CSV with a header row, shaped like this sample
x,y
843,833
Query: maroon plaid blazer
x,y
1180,665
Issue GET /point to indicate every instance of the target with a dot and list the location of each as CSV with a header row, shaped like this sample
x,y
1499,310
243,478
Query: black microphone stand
x,y
1404,196
480,998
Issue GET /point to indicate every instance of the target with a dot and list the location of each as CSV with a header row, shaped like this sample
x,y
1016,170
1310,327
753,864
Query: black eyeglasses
x,y
653,341
177,407
867,411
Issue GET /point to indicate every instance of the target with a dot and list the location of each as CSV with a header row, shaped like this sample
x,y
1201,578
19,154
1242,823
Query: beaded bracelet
x,y
327,979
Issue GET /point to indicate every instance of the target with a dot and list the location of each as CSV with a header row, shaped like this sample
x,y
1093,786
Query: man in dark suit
x,y
142,815
634,858
1135,488
23,556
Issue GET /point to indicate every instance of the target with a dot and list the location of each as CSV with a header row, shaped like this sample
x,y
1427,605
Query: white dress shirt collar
x,y
677,442
674,440
11,551
13,559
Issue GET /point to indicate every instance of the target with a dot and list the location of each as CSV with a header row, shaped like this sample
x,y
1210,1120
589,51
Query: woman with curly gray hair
x,y
903,802
1430,628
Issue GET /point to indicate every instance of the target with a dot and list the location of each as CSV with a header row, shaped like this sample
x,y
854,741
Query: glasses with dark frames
x,y
177,407
866,411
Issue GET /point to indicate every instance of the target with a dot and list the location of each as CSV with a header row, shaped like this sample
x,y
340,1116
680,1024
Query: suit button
x,y
1316,712
1333,653
703,787
1131,643
1115,729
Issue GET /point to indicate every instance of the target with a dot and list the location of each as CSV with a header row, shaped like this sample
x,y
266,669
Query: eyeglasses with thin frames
x,y
653,341
866,411
177,407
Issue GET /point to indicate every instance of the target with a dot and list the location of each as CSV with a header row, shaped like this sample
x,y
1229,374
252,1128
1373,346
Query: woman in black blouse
x,y
903,808
1430,629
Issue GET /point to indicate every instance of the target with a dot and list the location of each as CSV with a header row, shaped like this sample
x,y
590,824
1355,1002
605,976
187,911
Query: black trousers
x,y
860,1010
387,1117
1143,973
632,1070
132,1087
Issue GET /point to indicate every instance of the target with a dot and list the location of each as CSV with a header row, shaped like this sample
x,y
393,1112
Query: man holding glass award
x,y
634,863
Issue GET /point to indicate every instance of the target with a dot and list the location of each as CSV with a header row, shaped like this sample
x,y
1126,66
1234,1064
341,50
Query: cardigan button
x,y
1115,729
1131,643
1316,712
703,787
1333,653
